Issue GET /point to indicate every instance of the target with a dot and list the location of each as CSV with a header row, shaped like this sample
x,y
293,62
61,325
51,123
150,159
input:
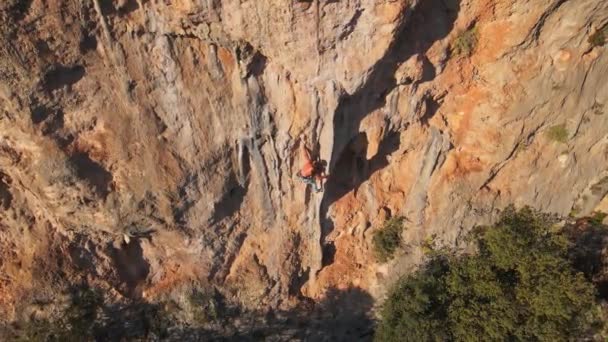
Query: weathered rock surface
x,y
150,144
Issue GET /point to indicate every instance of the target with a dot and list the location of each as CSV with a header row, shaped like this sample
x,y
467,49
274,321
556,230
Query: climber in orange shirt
x,y
313,171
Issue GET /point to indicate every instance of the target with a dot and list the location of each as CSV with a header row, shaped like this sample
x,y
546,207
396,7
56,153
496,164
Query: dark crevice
x,y
109,8
231,201
253,59
43,48
39,114
431,107
428,70
132,268
63,141
534,33
129,6
350,26
61,76
329,253
53,123
81,255
297,279
6,198
88,39
88,42
20,9
49,120
257,65
93,173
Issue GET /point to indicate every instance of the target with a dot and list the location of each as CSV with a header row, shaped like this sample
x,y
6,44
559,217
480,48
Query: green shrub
x,y
599,37
558,133
428,245
574,211
387,239
597,219
518,286
465,42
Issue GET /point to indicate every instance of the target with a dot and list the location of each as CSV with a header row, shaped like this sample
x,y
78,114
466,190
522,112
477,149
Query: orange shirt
x,y
308,169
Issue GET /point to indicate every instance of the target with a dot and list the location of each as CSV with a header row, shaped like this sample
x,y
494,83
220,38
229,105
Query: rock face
x,y
146,144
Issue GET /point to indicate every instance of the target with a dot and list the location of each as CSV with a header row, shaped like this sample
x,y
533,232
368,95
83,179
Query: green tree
x,y
417,307
388,238
519,285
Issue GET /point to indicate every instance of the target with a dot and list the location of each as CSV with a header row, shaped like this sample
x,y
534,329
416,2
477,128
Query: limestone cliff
x,y
149,144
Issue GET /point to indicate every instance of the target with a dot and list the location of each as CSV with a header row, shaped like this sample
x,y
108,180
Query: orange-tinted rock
x,y
180,126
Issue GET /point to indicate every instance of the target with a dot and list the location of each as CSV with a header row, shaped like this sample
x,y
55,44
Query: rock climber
x,y
313,171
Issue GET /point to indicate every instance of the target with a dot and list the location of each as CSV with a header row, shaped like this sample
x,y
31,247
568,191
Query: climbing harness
x,y
309,180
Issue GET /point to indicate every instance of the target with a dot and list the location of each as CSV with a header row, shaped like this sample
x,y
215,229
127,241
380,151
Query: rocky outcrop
x,y
148,144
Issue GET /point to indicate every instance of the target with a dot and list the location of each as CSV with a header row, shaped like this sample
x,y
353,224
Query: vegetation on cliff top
x,y
520,284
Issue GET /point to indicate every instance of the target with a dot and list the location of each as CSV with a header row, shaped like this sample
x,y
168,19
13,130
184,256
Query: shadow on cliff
x,y
429,22
131,267
343,315
589,250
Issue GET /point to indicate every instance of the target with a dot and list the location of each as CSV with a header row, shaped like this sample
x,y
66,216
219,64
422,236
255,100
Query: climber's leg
x,y
309,181
316,185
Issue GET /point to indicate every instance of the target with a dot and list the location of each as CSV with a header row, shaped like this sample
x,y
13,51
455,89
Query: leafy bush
x,y
599,37
574,211
388,239
597,219
558,133
519,285
428,245
465,42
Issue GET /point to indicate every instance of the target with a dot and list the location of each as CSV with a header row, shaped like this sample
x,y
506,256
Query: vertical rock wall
x,y
148,144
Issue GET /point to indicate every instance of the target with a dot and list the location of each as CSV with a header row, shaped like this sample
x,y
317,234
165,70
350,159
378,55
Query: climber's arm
x,y
322,175
305,153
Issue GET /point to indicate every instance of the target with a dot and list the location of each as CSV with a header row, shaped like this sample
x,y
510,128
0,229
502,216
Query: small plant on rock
x,y
597,219
599,37
466,42
574,211
558,133
388,239
428,245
